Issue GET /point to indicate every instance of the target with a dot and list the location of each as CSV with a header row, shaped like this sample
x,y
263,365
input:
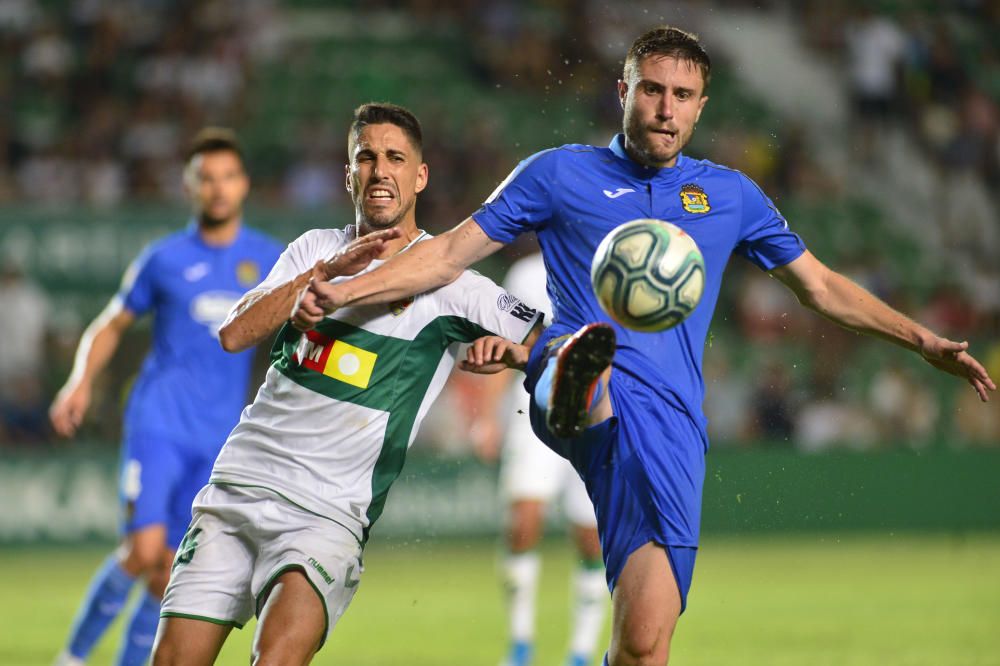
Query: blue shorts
x,y
158,482
644,469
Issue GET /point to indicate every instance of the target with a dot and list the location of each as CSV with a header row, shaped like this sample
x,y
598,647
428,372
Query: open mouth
x,y
672,134
380,195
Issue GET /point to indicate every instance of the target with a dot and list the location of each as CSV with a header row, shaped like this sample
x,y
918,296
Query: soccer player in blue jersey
x,y
625,407
188,395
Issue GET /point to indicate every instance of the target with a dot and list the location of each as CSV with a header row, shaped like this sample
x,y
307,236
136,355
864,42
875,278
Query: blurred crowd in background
x,y
97,100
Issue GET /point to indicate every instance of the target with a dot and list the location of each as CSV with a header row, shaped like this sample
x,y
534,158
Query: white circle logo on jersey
x,y
212,307
349,364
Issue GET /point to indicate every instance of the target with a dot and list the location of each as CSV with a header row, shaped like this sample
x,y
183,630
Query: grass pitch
x,y
775,601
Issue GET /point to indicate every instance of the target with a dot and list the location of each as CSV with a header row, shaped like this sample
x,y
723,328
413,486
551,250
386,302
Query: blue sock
x,y
138,640
107,594
543,388
605,662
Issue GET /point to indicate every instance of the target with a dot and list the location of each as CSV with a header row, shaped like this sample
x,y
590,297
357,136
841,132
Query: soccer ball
x,y
648,275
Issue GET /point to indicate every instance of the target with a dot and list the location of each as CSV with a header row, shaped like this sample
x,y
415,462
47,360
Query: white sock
x,y
66,659
590,594
521,580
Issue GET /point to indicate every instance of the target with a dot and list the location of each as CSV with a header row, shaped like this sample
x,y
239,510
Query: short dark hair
x,y
213,140
667,40
376,113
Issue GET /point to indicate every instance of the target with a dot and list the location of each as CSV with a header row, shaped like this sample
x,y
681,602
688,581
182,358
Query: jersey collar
x,y
617,146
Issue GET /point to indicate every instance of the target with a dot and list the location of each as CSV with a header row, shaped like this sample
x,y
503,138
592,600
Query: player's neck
x,y
408,233
219,234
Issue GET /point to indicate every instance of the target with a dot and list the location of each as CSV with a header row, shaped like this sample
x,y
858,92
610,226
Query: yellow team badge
x,y
694,199
399,307
338,359
248,273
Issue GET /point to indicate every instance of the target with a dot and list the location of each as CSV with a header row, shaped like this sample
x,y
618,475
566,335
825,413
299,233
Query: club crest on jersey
x,y
694,199
397,308
248,273
335,358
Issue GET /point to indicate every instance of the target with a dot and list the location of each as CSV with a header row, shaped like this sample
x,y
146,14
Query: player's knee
x,y
143,559
642,646
281,652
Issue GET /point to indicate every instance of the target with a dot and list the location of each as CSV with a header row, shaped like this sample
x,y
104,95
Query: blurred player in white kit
x,y
533,477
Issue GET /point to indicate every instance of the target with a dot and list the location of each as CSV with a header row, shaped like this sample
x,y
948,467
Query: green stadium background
x,y
852,508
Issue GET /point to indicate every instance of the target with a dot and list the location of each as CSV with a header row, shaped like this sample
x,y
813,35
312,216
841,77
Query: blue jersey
x,y
574,195
189,390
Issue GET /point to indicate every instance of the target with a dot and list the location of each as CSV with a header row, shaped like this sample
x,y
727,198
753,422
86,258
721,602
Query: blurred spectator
x,y
772,405
829,419
727,406
875,50
906,410
23,328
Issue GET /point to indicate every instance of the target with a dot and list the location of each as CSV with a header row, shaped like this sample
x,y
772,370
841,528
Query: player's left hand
x,y
492,354
952,357
307,313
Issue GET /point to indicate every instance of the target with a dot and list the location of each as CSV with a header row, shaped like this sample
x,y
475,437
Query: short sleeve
x,y
138,289
526,279
522,202
765,238
487,309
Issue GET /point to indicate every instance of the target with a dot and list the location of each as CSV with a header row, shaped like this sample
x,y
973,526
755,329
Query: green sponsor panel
x,y
79,255
69,498
905,490
58,497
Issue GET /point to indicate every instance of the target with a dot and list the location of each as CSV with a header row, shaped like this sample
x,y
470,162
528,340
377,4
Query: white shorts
x,y
529,470
239,542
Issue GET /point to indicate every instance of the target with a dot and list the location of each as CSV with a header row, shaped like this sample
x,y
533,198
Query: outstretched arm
x,y
842,301
97,345
259,313
423,267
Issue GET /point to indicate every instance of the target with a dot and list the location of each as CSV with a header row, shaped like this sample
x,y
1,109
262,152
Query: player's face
x,y
217,185
662,101
384,176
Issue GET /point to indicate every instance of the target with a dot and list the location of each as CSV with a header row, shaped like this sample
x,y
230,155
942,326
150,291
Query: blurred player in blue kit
x,y
626,407
189,392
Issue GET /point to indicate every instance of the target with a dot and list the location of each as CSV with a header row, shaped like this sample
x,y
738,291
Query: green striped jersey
x,y
340,405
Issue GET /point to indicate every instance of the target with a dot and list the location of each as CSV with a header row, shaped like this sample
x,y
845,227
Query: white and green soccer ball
x,y
648,275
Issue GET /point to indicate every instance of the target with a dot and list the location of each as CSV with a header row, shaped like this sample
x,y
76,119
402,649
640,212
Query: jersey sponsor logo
x,y
523,312
397,308
336,358
617,193
694,199
248,273
212,307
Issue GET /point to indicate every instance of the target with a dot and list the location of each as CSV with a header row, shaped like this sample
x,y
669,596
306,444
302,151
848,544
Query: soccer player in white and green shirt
x,y
280,528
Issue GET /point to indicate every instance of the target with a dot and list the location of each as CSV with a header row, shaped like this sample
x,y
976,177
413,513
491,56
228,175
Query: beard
x,y
381,221
209,221
641,143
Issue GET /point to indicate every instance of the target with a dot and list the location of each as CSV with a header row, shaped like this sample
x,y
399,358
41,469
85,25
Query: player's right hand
x,y
356,255
68,409
491,354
